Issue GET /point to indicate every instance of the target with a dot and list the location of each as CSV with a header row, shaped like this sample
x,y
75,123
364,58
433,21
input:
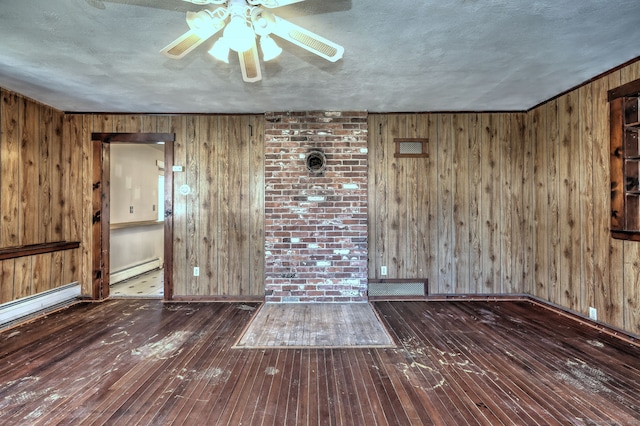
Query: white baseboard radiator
x,y
47,300
397,289
135,270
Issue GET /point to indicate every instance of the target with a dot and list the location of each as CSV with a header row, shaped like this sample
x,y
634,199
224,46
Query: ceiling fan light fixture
x,y
220,50
270,49
201,22
239,35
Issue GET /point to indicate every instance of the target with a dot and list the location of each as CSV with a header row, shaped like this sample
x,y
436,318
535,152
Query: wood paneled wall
x,y
36,203
505,203
219,226
462,217
577,263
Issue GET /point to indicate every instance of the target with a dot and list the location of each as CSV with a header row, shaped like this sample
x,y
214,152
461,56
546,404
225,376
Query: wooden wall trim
x,y
133,137
630,89
605,328
525,297
34,249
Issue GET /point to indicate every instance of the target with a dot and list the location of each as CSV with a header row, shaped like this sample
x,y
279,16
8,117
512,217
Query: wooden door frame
x,y
101,206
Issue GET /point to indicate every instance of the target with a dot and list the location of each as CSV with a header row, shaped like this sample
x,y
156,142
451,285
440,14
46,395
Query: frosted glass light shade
x,y
270,50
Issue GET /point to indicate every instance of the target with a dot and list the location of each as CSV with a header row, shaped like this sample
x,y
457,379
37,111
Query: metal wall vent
x,y
397,288
411,148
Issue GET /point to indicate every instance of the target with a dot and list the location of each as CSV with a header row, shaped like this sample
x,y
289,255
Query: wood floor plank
x,y
478,363
479,384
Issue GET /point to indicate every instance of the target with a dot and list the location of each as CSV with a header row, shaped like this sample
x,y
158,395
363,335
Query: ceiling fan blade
x,y
185,44
306,39
250,65
271,4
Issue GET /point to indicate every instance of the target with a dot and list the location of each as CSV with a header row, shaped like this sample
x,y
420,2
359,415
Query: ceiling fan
x,y
243,21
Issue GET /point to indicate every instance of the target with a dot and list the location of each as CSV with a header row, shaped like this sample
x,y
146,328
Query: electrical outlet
x,y
593,313
196,271
383,270
130,209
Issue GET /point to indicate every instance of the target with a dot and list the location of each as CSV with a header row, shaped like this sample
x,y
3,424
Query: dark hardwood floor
x,y
146,362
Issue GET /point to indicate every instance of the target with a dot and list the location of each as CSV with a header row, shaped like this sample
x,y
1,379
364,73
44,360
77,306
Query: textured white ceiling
x,y
401,55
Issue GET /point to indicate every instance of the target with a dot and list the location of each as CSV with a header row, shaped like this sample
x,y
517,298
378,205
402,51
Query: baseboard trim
x,y
17,310
524,297
135,270
251,299
585,320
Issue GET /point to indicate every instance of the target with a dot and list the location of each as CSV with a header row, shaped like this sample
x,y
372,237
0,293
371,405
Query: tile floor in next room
x,y
147,285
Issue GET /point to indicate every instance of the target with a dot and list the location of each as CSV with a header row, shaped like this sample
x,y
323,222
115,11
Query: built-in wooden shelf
x,y
33,249
123,225
625,161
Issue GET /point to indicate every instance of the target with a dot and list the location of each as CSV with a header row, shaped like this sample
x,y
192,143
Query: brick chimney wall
x,y
316,223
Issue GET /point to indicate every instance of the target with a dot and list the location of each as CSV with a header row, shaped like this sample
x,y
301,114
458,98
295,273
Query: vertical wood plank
x,y
506,200
59,179
74,208
432,206
490,211
256,206
461,208
601,195
425,182
224,197
445,206
41,266
475,203
9,178
87,219
587,206
413,168
28,214
528,191
538,126
520,238
372,206
149,124
7,269
22,278
397,198
208,191
120,123
632,288
134,123
236,238
554,285
45,176
382,153
244,161
569,206
192,204
163,124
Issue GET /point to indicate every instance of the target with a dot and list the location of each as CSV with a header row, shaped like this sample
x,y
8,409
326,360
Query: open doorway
x,y
132,229
136,229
